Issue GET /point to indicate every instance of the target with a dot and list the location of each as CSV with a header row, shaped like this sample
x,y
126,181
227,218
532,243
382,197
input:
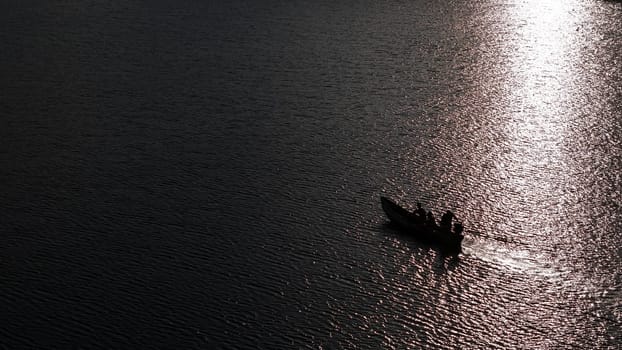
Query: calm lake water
x,y
207,174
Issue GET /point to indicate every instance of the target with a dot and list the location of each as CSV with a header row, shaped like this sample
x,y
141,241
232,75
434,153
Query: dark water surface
x,y
203,174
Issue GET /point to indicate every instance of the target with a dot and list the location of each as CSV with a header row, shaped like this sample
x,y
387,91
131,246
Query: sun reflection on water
x,y
531,164
535,195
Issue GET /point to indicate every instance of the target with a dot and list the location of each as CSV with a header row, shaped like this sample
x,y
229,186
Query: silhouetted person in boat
x,y
446,220
430,222
420,213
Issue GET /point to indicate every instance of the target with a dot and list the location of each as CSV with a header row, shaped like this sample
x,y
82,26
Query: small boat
x,y
409,223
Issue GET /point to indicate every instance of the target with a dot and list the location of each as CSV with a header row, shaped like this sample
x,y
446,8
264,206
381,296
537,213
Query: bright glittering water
x,y
207,174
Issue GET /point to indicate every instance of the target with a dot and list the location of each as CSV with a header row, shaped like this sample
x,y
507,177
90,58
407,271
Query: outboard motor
x,y
458,228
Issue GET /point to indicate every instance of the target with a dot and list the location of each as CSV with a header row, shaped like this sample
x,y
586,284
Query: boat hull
x,y
405,221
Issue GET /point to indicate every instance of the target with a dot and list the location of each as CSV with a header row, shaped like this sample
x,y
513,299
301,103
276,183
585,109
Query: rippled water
x,y
207,175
